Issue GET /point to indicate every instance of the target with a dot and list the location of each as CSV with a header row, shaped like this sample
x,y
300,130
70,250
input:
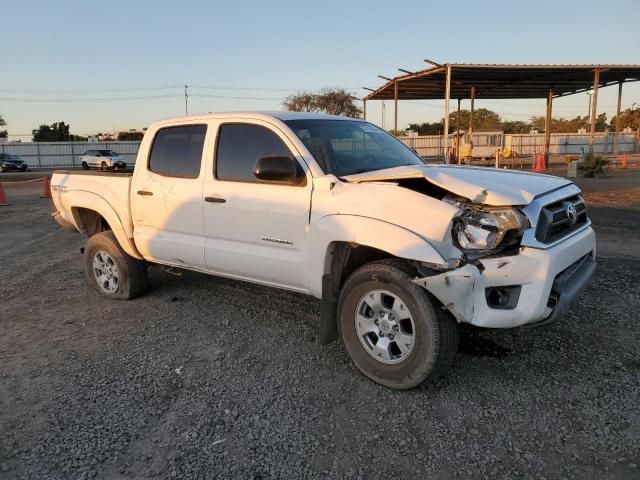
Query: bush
x,y
593,166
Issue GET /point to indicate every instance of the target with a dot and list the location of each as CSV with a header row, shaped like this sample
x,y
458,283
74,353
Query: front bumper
x,y
12,167
550,280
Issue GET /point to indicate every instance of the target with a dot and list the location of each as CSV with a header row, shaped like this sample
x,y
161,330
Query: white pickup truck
x,y
399,252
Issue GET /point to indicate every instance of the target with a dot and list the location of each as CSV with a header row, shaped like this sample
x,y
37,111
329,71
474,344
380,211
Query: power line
x,y
92,90
95,99
234,98
164,87
139,97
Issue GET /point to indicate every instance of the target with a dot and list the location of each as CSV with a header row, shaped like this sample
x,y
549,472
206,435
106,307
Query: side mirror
x,y
276,169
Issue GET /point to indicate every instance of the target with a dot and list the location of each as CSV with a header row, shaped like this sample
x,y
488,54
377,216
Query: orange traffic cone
x,y
46,188
539,165
624,162
3,197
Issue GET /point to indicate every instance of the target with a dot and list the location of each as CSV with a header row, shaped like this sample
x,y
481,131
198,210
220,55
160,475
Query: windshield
x,y
345,147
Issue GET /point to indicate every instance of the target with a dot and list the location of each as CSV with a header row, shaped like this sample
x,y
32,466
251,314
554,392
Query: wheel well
x,y
342,259
356,256
90,221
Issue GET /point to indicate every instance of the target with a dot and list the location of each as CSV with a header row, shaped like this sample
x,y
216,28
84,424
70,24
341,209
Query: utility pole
x,y
383,114
589,114
186,101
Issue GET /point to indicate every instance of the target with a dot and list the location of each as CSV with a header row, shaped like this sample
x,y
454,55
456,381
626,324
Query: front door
x,y
255,229
167,198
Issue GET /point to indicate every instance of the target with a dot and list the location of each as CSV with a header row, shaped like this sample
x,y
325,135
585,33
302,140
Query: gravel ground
x,y
212,378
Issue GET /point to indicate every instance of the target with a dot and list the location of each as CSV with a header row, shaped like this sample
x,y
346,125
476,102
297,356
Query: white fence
x,y
65,154
529,144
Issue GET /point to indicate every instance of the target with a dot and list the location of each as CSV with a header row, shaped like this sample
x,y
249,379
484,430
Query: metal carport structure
x,y
502,81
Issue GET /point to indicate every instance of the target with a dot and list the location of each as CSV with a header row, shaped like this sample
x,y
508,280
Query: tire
x,y
85,166
434,332
1,169
101,254
103,166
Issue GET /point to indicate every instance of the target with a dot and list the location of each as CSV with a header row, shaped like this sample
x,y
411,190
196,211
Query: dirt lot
x,y
211,378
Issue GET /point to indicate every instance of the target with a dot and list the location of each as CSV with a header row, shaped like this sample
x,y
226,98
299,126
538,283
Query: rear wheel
x,y
395,333
85,166
111,271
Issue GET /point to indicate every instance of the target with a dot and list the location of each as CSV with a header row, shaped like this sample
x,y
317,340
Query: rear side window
x,y
239,148
177,151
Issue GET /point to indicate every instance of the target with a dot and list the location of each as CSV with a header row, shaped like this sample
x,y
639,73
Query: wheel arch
x,y
347,242
92,214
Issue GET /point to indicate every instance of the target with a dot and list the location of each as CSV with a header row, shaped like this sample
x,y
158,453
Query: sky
x,y
59,57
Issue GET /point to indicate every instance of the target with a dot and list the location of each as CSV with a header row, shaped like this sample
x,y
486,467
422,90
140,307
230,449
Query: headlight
x,y
485,229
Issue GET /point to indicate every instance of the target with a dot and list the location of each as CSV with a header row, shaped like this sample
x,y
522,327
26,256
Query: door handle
x,y
144,192
214,200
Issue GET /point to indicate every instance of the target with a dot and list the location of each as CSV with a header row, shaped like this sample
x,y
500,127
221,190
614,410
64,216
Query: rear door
x,y
167,197
90,158
255,229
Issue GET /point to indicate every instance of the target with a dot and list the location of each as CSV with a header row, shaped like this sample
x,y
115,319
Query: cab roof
x,y
260,115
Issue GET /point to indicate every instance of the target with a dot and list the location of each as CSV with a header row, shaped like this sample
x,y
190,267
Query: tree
x,y
563,125
56,132
129,136
629,118
427,128
516,126
3,133
334,101
483,119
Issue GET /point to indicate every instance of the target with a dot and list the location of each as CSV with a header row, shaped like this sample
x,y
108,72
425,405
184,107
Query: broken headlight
x,y
485,229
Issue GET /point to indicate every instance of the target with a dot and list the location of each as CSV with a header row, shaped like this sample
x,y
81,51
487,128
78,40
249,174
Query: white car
x,y
102,159
399,252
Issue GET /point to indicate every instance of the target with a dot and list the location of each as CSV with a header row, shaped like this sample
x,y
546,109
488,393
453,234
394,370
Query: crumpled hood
x,y
489,186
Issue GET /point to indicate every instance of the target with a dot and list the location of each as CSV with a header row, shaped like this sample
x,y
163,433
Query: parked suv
x,y
102,159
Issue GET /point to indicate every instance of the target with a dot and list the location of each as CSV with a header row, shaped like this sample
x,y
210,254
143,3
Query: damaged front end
x,y
499,282
478,232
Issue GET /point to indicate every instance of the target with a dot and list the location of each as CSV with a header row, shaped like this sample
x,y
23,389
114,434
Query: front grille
x,y
554,222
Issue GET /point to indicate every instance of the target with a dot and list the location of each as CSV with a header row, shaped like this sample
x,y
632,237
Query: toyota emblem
x,y
572,213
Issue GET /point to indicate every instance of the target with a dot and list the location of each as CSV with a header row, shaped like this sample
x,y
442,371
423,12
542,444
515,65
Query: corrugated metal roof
x,y
496,81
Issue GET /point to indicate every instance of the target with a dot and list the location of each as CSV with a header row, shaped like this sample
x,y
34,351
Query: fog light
x,y
503,297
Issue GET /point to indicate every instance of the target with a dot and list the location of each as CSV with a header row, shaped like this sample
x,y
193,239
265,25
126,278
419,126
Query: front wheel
x,y
395,333
103,166
111,271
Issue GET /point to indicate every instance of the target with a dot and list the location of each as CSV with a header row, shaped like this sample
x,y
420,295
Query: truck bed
x,y
94,190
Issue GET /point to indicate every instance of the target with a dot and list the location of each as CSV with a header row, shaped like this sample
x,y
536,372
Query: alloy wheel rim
x,y
106,272
385,326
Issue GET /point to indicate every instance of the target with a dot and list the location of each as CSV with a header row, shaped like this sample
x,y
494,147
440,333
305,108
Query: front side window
x,y
347,147
240,146
177,151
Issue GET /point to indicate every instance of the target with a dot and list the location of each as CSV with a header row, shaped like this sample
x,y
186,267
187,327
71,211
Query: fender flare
x,y
92,201
366,231
362,231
